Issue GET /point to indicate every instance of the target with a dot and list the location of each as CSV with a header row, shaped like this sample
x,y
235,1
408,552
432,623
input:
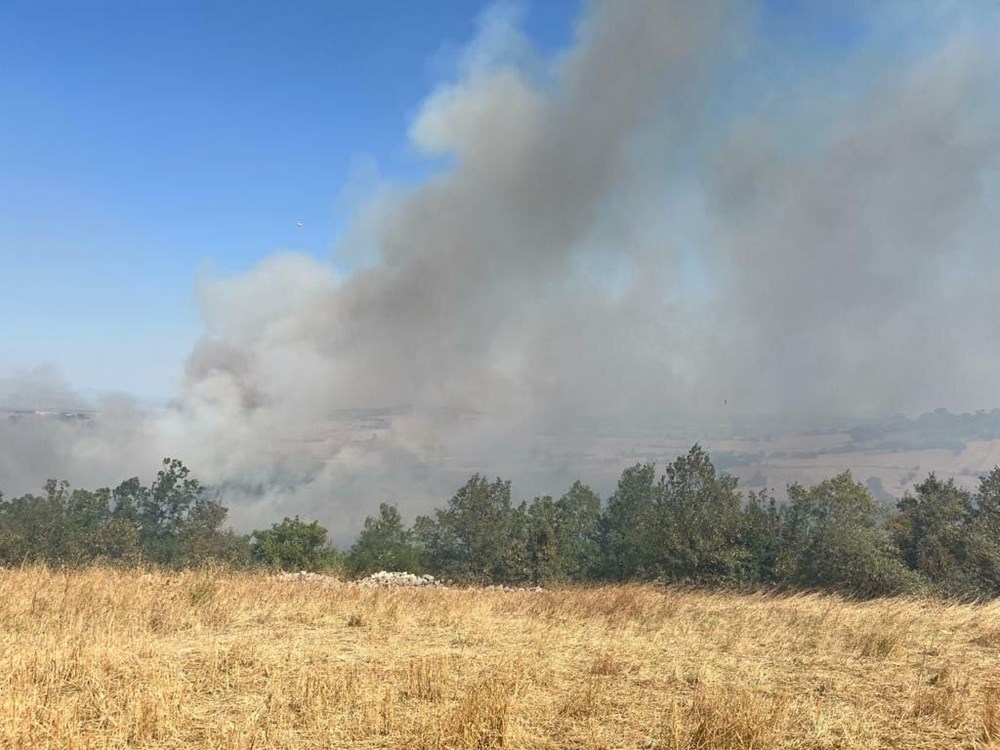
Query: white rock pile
x,y
382,579
385,579
396,579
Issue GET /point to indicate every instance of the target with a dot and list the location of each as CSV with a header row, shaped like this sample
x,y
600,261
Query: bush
x,y
293,545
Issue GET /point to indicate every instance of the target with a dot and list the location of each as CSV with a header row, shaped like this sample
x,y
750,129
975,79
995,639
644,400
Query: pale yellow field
x,y
107,659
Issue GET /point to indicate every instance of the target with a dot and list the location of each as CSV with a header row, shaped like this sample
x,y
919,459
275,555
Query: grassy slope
x,y
108,659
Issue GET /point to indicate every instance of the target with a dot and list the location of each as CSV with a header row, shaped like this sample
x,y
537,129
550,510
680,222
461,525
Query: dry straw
x,y
108,659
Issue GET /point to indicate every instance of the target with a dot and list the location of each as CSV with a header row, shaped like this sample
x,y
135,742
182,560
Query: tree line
x,y
687,524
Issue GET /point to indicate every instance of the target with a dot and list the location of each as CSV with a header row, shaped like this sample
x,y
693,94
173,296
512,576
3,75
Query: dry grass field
x,y
214,660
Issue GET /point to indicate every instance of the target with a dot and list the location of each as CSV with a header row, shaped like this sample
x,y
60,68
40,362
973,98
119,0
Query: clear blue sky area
x,y
145,142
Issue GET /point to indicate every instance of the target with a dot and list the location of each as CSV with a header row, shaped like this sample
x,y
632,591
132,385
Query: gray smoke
x,y
676,213
48,431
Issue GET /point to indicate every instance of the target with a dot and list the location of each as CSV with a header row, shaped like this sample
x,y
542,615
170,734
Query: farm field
x,y
102,658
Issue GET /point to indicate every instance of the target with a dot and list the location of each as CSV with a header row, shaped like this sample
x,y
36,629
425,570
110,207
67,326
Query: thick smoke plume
x,y
676,217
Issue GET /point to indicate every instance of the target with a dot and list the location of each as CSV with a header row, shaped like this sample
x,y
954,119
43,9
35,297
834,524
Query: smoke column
x,y
674,213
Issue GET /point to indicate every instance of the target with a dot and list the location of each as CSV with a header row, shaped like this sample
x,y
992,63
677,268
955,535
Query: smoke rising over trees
x,y
672,214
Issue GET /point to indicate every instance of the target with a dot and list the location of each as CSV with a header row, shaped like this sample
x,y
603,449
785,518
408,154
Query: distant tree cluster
x,y
689,524
172,522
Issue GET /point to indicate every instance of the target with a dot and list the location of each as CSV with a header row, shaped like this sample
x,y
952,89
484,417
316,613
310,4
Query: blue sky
x,y
145,144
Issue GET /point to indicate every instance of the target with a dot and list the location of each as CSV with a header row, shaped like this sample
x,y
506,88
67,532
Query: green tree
x,y
61,527
18,539
53,533
622,527
480,536
985,534
543,548
124,542
761,539
38,528
127,498
173,522
433,542
988,503
931,528
693,529
87,515
562,537
384,544
944,534
578,515
292,544
163,509
833,538
200,537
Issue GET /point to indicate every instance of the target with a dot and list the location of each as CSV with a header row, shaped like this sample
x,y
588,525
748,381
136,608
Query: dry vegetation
x,y
113,659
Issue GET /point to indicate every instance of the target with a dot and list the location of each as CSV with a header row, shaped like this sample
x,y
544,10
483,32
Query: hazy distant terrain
x,y
889,455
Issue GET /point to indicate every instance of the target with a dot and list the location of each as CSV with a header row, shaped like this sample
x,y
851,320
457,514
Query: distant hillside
x,y
936,430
